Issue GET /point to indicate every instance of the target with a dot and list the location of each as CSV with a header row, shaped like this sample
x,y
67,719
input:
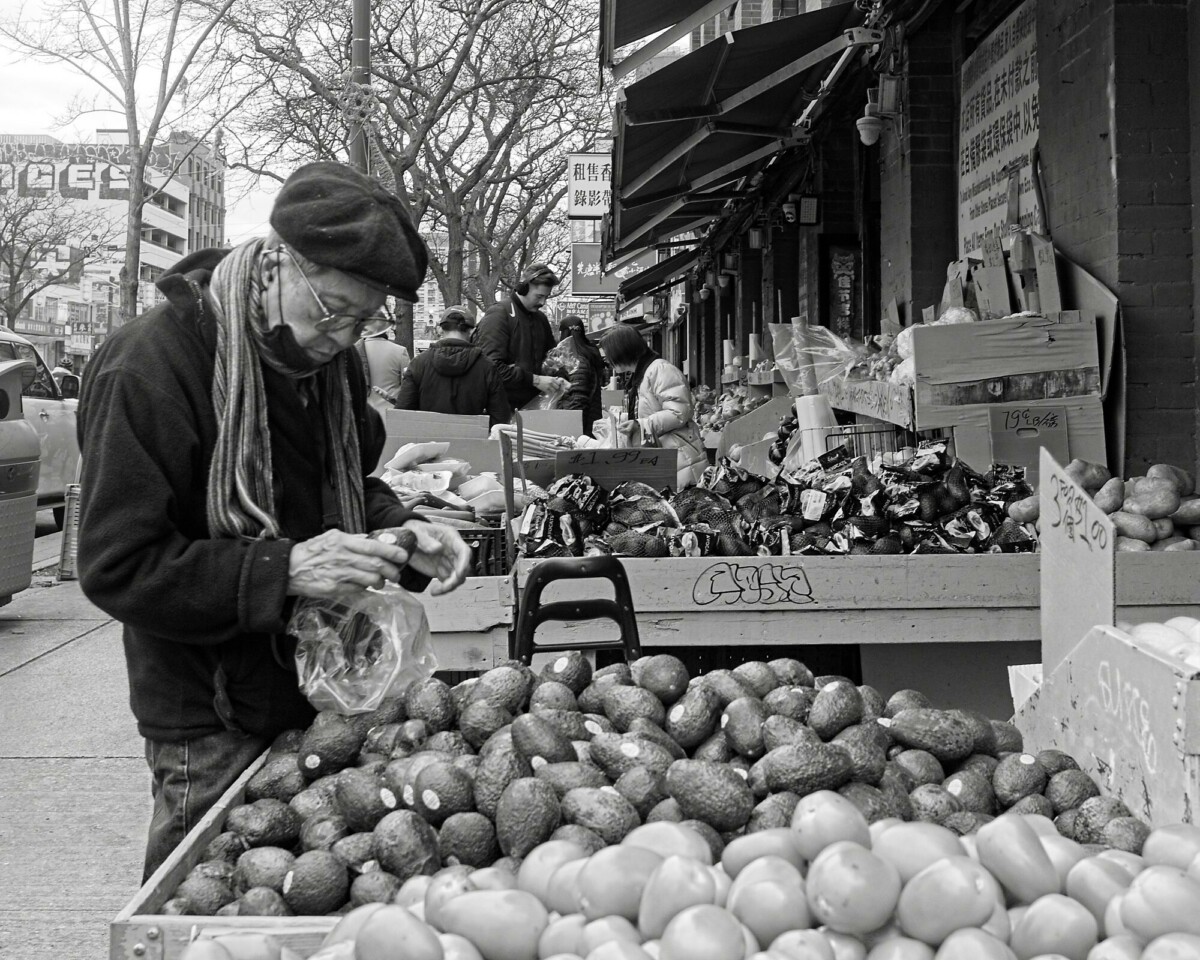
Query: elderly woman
x,y
658,401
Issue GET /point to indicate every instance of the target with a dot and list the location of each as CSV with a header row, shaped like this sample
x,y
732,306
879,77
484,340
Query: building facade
x,y
185,211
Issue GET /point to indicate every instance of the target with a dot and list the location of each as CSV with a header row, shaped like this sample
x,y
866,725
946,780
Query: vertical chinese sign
x,y
589,185
843,282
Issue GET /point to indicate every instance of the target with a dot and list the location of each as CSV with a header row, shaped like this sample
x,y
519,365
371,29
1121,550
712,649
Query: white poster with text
x,y
998,128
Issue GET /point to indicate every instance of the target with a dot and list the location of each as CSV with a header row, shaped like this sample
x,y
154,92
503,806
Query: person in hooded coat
x,y
587,377
453,376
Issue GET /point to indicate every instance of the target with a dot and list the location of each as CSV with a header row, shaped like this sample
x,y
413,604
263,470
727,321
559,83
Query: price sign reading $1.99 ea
x,y
1077,563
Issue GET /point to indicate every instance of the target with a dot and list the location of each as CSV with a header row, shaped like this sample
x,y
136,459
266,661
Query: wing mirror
x,y
69,385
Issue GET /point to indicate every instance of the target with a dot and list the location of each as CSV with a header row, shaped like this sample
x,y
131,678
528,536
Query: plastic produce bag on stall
x,y
352,656
794,370
826,354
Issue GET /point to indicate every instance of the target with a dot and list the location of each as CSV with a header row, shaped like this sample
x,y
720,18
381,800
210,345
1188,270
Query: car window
x,y
43,384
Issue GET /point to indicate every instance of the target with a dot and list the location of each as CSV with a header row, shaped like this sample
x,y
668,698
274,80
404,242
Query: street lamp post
x,y
360,73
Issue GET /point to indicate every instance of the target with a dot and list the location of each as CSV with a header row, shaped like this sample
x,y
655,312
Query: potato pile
x,y
1159,512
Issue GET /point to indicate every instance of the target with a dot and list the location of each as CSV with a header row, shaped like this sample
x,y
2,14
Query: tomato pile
x,y
828,887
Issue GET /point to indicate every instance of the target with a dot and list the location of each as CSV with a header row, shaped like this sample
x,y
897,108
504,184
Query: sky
x,y
35,96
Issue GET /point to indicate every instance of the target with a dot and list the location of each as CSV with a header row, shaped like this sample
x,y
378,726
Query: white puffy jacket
x,y
664,414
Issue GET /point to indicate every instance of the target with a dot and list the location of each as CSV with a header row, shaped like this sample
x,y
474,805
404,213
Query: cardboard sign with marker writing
x,y
1049,294
1078,564
1019,434
654,466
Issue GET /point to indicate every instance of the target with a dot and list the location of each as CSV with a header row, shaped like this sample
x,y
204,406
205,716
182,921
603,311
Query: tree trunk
x,y
404,326
131,271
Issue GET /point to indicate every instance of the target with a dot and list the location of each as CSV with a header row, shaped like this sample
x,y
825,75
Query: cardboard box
x,y
880,399
973,440
467,436
1014,360
753,426
560,423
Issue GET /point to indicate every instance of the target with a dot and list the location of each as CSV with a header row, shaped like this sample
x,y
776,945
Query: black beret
x,y
336,217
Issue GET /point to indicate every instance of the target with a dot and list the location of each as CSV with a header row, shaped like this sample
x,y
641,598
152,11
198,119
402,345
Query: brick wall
x,y
778,9
1115,140
918,174
749,13
1194,85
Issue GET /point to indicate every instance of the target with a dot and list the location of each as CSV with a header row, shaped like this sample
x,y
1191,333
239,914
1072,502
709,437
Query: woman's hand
x,y
339,566
440,553
629,428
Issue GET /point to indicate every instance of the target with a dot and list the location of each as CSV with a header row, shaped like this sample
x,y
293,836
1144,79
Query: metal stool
x,y
533,613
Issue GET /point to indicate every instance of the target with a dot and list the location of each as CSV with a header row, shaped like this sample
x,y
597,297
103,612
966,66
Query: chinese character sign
x,y
588,280
998,126
589,185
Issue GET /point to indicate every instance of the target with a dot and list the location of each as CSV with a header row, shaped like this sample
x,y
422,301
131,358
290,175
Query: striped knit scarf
x,y
241,488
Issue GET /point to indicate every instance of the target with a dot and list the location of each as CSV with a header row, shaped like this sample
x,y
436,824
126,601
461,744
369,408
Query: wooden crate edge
x,y
185,856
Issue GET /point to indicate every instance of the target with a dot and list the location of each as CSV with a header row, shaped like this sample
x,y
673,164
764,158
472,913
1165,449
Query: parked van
x,y
50,408
19,457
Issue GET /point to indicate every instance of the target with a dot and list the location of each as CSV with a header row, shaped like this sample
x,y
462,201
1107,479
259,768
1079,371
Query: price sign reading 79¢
x,y
1078,572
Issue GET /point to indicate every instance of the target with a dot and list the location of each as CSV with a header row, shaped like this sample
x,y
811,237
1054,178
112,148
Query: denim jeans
x,y
188,778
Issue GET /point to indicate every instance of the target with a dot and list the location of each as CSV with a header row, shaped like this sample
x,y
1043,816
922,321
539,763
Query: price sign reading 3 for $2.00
x,y
1078,572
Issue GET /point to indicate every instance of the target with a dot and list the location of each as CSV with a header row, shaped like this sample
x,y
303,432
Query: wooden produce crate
x,y
1131,717
948,625
708,601
470,625
142,932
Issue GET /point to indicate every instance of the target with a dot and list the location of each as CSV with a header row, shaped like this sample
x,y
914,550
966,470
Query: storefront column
x,y
749,295
919,174
787,273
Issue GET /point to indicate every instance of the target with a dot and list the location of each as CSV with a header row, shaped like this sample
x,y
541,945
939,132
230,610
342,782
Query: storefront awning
x,y
699,123
659,275
623,22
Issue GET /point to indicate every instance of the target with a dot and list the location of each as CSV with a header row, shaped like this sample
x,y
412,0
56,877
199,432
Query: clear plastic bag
x,y
826,354
562,360
350,657
796,374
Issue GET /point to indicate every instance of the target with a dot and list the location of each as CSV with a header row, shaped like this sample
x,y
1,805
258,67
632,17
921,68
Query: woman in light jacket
x,y
658,401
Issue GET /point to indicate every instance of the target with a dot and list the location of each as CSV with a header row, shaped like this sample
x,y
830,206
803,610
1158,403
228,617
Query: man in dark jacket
x,y
516,336
227,446
454,377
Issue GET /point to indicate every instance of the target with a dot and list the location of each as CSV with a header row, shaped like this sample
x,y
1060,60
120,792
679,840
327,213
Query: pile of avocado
x,y
341,814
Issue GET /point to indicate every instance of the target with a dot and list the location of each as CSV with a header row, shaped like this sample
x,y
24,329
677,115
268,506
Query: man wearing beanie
x,y
227,445
454,377
516,336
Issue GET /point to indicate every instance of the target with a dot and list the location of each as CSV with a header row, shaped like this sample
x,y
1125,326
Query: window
x,y
42,385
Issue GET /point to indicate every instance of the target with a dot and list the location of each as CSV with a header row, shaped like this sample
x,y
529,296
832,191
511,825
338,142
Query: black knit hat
x,y
336,217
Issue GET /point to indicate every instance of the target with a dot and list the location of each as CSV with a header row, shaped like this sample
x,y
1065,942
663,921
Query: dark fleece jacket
x,y
204,620
516,340
454,377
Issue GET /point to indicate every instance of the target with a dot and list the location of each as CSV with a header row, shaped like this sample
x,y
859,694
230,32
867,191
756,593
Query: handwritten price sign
x,y
1080,519
656,466
1030,419
1078,572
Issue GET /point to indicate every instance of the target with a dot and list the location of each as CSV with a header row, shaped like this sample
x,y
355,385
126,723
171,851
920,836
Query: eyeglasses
x,y
332,322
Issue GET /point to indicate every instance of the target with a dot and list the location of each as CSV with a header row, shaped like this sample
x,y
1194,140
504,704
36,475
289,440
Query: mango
x,y
502,924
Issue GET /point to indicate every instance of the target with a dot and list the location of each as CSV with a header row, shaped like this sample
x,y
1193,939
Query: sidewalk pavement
x,y
74,791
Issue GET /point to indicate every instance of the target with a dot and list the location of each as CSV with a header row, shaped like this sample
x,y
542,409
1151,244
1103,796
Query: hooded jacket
x,y
516,340
204,619
454,377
